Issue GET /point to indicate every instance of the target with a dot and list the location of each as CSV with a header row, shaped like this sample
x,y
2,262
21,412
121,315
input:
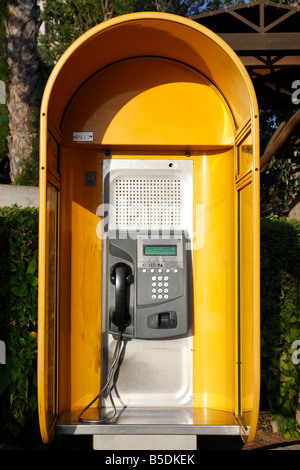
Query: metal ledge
x,y
151,421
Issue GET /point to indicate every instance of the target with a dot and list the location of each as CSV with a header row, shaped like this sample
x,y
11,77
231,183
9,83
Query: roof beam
x,y
279,20
262,41
244,20
263,62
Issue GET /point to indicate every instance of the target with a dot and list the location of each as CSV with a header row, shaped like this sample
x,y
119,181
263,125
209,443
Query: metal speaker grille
x,y
148,202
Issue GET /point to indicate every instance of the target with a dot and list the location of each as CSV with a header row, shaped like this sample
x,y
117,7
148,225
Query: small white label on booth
x,y
83,136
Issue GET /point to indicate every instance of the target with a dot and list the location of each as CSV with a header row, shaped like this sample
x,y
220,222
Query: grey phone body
x,y
157,295
147,229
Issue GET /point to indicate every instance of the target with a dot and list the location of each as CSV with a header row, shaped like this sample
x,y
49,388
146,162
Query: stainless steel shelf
x,y
150,421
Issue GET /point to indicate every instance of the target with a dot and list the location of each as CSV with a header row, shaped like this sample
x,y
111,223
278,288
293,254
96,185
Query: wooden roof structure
x,y
266,37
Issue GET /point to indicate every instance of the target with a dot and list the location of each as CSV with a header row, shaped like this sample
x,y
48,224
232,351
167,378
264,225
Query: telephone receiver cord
x,y
110,377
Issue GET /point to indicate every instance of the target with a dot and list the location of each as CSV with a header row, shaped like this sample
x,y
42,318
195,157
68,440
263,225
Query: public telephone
x,y
147,289
146,266
149,205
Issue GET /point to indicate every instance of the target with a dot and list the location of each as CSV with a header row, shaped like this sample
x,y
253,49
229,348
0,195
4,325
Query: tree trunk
x,y
22,27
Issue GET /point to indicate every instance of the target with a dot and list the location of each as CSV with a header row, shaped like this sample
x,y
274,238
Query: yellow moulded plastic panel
x,y
146,101
249,307
248,265
149,34
50,315
49,206
246,297
80,296
213,271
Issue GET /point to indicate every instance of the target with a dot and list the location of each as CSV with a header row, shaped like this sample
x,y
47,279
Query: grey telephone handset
x,y
147,292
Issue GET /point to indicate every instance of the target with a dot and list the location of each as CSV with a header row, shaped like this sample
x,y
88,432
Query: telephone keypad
x,y
163,283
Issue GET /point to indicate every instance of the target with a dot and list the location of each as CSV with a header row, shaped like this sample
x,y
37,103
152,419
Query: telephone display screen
x,y
160,250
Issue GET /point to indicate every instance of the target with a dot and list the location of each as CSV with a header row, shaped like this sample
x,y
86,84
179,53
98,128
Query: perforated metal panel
x,y
148,202
149,194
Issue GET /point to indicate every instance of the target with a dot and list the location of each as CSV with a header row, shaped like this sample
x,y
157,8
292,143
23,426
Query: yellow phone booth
x,y
148,325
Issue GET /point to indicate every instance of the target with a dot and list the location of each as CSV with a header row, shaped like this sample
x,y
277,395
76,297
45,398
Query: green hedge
x,y
280,320
18,323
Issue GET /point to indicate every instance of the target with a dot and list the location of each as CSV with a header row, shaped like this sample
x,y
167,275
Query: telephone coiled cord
x,y
110,376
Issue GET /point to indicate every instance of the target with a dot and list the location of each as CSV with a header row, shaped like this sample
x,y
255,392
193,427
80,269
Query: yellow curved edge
x,y
47,434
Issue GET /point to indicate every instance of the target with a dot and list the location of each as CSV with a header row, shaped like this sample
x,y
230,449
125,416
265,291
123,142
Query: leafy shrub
x,y
18,322
280,319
